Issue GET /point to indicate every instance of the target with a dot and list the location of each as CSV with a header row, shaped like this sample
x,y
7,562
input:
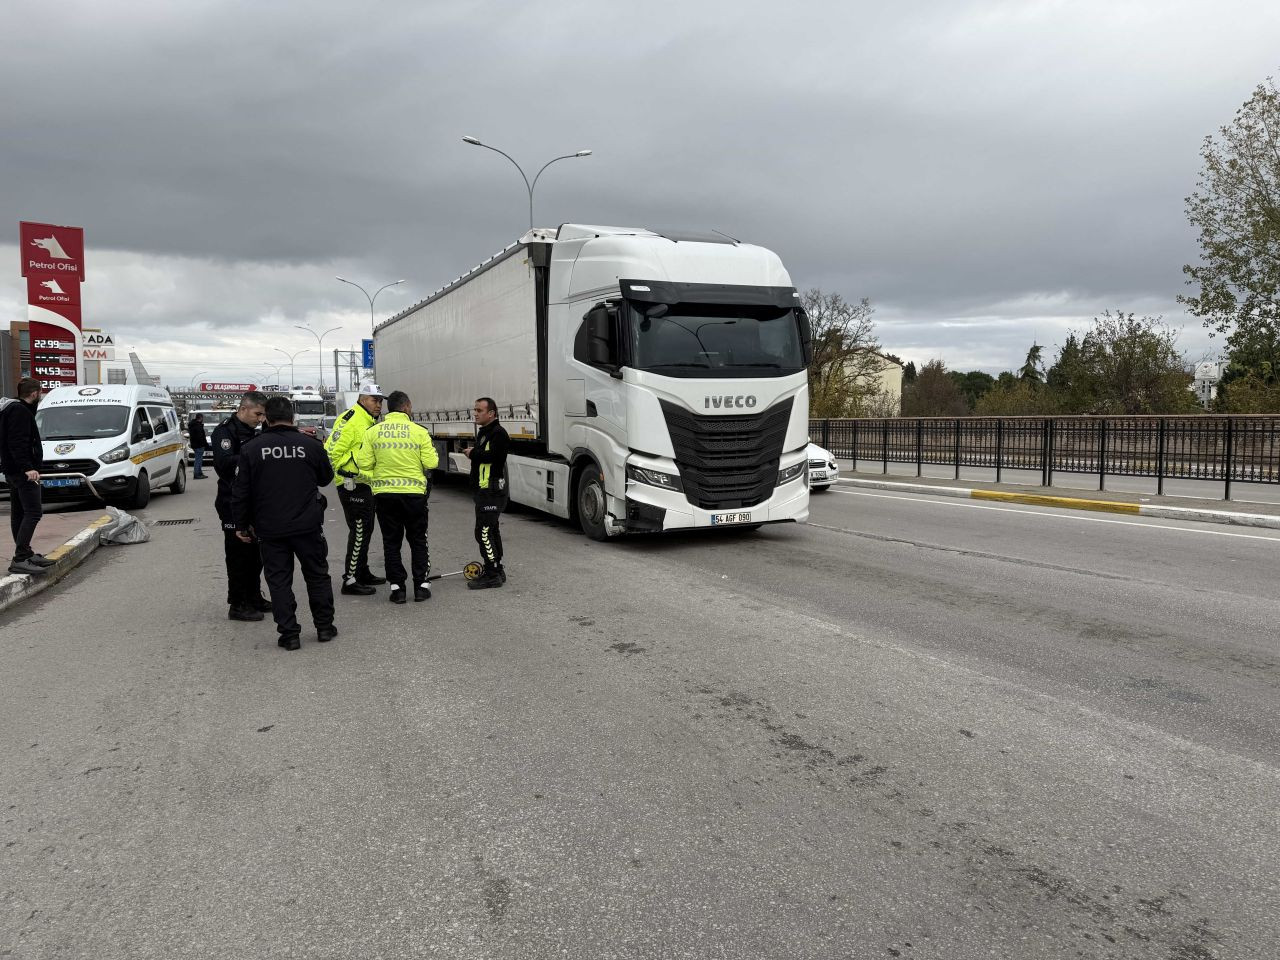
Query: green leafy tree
x,y
933,394
1032,369
973,384
844,373
1016,397
1250,393
909,373
1125,365
1236,208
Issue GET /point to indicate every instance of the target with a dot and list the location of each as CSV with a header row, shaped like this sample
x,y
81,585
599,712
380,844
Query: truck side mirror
x,y
601,343
806,335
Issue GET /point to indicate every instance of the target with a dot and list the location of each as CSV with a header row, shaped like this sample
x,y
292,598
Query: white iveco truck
x,y
648,381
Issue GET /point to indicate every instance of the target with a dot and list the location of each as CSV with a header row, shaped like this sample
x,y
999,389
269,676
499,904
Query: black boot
x,y
369,580
290,641
397,594
325,634
421,591
354,588
487,580
243,612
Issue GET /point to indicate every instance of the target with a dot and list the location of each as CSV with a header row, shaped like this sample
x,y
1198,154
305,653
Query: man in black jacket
x,y
21,456
244,564
198,441
276,498
489,485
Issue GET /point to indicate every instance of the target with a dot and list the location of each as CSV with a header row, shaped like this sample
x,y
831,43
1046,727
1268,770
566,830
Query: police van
x,y
113,443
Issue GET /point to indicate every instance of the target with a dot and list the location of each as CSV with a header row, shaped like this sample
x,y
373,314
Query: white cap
x,y
371,389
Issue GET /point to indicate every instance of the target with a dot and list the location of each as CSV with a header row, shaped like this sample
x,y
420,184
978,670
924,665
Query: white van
x,y
115,443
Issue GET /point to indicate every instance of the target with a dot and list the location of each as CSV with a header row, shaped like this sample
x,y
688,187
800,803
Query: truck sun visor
x,y
664,291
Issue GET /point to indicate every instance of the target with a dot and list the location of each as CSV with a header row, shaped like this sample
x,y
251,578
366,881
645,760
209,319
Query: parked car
x,y
823,470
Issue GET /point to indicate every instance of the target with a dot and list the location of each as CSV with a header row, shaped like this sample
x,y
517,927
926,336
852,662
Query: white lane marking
x,y
1054,515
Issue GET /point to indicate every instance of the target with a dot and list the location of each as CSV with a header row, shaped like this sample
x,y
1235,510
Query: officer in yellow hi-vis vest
x,y
397,454
353,488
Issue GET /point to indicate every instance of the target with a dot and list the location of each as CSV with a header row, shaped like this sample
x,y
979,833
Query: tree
x,y
1030,371
1125,364
1016,397
1248,394
1236,208
934,394
973,384
909,373
844,372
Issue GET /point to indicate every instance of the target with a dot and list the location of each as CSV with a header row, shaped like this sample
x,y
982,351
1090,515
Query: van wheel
x,y
591,503
179,484
142,496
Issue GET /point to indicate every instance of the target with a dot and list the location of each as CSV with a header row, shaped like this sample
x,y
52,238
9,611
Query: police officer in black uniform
x,y
276,500
488,457
244,564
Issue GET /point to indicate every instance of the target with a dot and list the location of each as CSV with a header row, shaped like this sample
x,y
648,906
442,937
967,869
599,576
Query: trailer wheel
x,y
591,502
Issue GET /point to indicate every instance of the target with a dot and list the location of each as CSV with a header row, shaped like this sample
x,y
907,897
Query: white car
x,y
823,471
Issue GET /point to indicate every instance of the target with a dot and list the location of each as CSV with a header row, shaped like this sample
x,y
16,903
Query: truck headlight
x,y
116,454
792,472
654,478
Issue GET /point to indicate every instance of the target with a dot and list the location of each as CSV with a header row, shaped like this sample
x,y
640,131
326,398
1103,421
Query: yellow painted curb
x,y
1070,503
57,553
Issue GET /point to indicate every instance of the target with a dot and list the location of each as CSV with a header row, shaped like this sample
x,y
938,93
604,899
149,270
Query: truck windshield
x,y
314,408
714,340
81,423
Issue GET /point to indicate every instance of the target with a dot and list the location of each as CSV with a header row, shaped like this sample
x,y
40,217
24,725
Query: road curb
x,y
1077,503
15,587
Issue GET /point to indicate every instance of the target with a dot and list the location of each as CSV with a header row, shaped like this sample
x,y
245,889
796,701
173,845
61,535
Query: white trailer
x,y
648,381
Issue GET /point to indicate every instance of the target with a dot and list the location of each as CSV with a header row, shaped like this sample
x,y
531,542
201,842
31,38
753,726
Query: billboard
x,y
52,260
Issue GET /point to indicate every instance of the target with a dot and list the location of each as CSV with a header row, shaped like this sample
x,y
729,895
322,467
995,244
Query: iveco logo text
x,y
720,403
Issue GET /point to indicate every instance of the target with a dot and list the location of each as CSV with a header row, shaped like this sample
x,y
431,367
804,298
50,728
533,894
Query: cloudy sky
x,y
988,173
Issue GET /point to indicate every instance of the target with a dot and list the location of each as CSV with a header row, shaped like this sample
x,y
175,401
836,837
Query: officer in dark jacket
x,y
244,565
199,443
21,456
276,498
489,485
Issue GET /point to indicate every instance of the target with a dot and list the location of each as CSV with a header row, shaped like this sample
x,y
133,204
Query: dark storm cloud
x,y
984,172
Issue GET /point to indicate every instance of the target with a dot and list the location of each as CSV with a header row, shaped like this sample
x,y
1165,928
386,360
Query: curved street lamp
x,y
320,349
528,185
370,299
192,385
292,356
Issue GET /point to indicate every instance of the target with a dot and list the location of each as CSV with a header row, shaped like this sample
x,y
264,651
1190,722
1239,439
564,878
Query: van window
x,y
139,418
81,422
159,422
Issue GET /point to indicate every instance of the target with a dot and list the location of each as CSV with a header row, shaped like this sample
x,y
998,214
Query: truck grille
x,y
728,462
87,467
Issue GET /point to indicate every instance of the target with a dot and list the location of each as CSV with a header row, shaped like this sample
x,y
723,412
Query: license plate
x,y
719,518
819,475
60,482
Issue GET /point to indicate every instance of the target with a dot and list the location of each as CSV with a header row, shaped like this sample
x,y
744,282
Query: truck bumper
x,y
652,509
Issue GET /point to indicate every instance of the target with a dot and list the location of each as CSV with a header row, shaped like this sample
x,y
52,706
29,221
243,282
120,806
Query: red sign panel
x,y
53,263
218,387
53,250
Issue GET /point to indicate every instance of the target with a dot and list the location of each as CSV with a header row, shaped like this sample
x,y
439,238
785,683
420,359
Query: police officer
x,y
244,565
353,488
489,485
276,500
397,454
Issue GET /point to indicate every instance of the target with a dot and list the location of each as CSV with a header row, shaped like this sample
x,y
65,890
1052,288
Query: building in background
x,y
1208,376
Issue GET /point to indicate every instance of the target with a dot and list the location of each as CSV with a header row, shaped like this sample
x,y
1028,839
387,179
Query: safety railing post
x,y
919,447
999,445
884,447
957,448
1102,454
855,446
1230,455
1048,454
1160,442
826,434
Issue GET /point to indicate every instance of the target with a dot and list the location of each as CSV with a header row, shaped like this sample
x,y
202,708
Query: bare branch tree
x,y
844,377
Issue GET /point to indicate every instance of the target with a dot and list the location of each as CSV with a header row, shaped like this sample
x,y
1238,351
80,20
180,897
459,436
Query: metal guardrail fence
x,y
1236,449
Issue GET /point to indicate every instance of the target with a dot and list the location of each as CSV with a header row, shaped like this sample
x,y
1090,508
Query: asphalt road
x,y
916,727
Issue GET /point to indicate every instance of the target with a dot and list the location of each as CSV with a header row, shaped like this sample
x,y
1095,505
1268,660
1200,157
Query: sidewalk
x,y
1146,505
67,537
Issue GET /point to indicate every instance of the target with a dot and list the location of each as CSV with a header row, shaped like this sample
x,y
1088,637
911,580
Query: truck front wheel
x,y
592,503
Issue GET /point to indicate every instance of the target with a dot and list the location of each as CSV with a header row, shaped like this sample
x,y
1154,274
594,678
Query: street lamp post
x,y
319,350
276,368
292,356
192,385
370,299
527,184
